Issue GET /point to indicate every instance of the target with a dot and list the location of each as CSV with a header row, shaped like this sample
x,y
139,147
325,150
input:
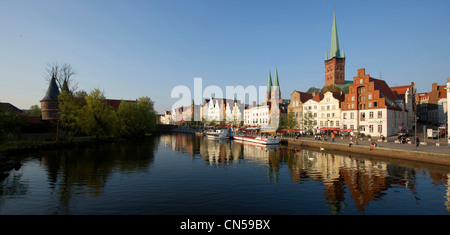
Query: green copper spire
x,y
334,47
275,81
269,83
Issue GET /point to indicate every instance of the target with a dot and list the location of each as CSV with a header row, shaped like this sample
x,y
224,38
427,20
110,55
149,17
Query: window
x,y
370,105
370,114
380,114
380,128
321,123
363,116
345,116
352,115
369,96
353,106
353,98
344,127
337,123
348,106
331,123
360,81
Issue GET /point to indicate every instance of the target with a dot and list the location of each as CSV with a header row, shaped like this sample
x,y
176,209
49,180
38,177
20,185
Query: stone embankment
x,y
429,154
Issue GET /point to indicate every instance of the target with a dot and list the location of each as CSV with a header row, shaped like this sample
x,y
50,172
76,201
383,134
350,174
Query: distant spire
x,y
334,46
269,83
275,81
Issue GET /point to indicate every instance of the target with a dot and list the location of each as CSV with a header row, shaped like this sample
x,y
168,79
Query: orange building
x,y
371,107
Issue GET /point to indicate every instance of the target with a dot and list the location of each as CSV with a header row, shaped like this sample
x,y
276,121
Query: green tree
x,y
291,121
35,111
136,119
313,89
69,114
11,124
332,88
97,117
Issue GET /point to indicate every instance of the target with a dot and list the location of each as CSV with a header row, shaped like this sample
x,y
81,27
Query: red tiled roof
x,y
318,97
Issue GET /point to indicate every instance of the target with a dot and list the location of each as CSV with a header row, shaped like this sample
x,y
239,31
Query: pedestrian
x,y
332,137
417,142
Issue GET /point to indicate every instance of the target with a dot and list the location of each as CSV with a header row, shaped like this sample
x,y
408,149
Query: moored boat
x,y
218,134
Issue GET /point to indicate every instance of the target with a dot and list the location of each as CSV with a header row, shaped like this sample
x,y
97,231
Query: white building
x,y
218,109
166,118
311,113
329,112
257,116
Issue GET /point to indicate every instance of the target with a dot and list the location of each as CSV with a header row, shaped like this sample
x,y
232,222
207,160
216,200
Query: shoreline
x,y
380,151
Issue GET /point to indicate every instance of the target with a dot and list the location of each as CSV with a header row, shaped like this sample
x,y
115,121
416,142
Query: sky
x,y
134,48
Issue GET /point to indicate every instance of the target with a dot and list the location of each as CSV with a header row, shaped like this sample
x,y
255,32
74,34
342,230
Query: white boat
x,y
218,134
258,140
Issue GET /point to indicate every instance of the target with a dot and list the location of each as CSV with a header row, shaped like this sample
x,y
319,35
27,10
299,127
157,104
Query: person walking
x,y
332,136
417,142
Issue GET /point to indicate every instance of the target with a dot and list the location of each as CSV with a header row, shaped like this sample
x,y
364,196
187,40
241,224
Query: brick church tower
x,y
335,62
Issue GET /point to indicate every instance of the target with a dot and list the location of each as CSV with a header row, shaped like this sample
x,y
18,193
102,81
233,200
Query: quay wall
x,y
421,156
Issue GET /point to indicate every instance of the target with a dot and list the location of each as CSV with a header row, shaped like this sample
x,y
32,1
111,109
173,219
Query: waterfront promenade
x,y
426,153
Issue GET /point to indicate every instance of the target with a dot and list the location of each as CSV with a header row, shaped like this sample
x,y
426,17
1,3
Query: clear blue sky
x,y
133,48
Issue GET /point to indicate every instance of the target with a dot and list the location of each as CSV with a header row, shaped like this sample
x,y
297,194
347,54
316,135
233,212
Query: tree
x,y
35,111
332,88
11,124
136,119
291,121
308,121
69,114
63,74
313,89
97,117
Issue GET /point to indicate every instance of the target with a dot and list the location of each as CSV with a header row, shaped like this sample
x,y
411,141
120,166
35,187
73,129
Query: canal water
x,y
179,174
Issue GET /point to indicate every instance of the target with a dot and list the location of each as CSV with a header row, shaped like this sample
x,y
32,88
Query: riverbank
x,y
429,153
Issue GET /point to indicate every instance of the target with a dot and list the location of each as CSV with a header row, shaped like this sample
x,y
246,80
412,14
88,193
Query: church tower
x,y
335,62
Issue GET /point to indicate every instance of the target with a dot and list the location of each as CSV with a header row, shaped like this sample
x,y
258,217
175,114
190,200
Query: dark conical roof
x,y
52,91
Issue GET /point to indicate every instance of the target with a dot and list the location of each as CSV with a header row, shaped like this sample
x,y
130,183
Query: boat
x,y
258,140
218,134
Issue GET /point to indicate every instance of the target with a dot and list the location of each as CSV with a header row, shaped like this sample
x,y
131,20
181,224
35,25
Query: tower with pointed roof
x,y
269,89
335,61
49,104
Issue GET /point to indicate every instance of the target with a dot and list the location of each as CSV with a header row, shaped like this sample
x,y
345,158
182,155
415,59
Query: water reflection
x,y
363,179
345,181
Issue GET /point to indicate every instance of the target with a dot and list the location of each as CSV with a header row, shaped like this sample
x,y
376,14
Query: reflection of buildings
x,y
363,179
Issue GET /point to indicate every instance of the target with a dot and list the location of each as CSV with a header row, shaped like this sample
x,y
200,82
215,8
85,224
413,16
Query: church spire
x,y
334,46
269,83
275,81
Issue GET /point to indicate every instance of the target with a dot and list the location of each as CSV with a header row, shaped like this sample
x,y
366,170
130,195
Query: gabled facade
x,y
329,112
296,106
371,107
311,113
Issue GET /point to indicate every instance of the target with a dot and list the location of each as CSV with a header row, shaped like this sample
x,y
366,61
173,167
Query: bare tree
x,y
63,75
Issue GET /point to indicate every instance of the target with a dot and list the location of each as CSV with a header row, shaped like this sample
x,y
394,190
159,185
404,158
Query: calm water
x,y
183,174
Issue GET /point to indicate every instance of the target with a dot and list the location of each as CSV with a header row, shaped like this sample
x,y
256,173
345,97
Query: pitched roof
x,y
400,91
52,91
318,97
334,45
10,108
304,96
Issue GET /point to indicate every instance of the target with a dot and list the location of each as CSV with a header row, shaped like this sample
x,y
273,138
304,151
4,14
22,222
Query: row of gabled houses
x,y
370,106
